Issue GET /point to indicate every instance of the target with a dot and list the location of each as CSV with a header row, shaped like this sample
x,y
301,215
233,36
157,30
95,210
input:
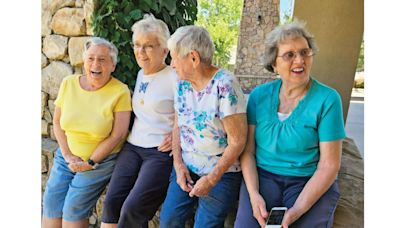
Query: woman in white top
x,y
139,182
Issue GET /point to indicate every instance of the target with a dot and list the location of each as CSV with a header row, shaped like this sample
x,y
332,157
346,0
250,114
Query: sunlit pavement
x,y
355,119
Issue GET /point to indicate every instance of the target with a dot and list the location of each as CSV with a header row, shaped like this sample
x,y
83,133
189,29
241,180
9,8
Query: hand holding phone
x,y
275,217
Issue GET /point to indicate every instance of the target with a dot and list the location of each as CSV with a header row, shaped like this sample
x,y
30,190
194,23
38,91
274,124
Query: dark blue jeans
x,y
278,191
212,209
138,186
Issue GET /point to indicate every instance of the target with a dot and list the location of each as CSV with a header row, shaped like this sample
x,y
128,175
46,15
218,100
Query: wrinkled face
x,y
183,66
98,64
148,53
296,70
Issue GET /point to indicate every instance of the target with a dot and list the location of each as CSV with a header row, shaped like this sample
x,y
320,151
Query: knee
x,y
112,204
170,219
75,212
132,208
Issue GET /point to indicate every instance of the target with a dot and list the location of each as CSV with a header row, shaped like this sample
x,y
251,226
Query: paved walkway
x,y
355,119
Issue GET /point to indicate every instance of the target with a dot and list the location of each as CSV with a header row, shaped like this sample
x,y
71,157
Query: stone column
x,y
259,17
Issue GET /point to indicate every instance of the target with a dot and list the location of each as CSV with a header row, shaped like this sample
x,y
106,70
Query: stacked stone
x,y
258,18
66,25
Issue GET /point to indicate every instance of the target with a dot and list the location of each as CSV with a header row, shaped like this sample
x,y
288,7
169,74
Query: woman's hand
x,y
290,217
166,145
259,208
81,166
202,187
70,158
183,178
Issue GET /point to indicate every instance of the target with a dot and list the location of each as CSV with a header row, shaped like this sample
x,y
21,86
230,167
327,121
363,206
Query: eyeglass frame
x,y
144,47
295,53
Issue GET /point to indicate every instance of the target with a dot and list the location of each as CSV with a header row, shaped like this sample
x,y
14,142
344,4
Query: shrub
x,y
113,19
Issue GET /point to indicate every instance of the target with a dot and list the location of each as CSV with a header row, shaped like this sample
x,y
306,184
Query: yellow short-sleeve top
x,y
87,116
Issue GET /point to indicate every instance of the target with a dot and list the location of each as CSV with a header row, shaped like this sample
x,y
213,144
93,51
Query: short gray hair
x,y
192,37
282,33
150,24
94,41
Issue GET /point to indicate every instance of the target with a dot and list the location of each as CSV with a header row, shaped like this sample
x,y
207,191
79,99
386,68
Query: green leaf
x,y
170,5
144,6
136,14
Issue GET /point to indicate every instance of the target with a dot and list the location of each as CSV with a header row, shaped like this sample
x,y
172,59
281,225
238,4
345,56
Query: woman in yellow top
x,y
91,121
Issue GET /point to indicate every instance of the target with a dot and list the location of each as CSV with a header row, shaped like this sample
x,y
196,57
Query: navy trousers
x,y
138,186
282,191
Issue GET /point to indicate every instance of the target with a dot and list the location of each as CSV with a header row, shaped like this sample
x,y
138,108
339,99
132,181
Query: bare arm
x,y
119,131
236,129
250,175
62,138
327,170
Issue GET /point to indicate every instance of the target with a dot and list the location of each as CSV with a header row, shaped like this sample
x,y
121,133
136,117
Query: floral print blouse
x,y
202,135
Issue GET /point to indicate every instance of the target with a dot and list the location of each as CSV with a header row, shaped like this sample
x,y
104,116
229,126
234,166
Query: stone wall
x,y
259,17
65,27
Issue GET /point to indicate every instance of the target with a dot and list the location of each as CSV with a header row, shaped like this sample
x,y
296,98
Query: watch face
x,y
91,162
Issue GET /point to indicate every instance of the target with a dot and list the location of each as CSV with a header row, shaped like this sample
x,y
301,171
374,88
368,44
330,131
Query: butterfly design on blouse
x,y
143,87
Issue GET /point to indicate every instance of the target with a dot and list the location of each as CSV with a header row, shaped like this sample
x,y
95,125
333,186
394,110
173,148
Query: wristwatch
x,y
92,163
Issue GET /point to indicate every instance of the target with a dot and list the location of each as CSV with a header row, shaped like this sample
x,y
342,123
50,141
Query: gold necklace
x,y
143,88
144,85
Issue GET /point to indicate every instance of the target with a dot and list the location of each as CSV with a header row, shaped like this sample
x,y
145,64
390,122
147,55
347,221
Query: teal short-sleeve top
x,y
291,147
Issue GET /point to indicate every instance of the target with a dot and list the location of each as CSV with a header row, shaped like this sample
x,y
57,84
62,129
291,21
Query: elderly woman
x,y
209,134
140,180
91,121
294,144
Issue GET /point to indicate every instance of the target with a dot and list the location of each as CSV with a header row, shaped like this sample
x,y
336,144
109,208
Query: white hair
x,y
94,41
192,37
150,24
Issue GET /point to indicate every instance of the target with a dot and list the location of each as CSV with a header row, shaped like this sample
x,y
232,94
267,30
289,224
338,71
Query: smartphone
x,y
275,217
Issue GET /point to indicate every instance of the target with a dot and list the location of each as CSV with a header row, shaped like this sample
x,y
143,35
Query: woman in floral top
x,y
209,134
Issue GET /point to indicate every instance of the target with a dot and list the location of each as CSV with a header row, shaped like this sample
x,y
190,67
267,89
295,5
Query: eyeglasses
x,y
291,55
147,47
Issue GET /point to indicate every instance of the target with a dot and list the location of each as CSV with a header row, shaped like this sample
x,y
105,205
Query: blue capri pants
x,y
72,196
278,191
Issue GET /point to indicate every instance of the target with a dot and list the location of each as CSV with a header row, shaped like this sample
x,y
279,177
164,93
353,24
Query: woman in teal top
x,y
294,144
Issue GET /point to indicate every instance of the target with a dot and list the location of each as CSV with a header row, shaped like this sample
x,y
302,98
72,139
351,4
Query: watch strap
x,y
92,163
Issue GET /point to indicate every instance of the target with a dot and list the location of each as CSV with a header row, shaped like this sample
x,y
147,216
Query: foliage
x,y
360,63
287,18
287,13
222,20
113,19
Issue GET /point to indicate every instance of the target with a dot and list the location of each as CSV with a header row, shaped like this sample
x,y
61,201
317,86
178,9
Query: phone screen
x,y
276,216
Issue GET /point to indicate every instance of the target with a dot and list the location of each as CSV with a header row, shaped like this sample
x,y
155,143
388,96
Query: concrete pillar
x,y
338,27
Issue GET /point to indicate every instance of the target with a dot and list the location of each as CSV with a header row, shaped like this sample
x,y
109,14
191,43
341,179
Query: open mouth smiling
x,y
95,73
298,70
